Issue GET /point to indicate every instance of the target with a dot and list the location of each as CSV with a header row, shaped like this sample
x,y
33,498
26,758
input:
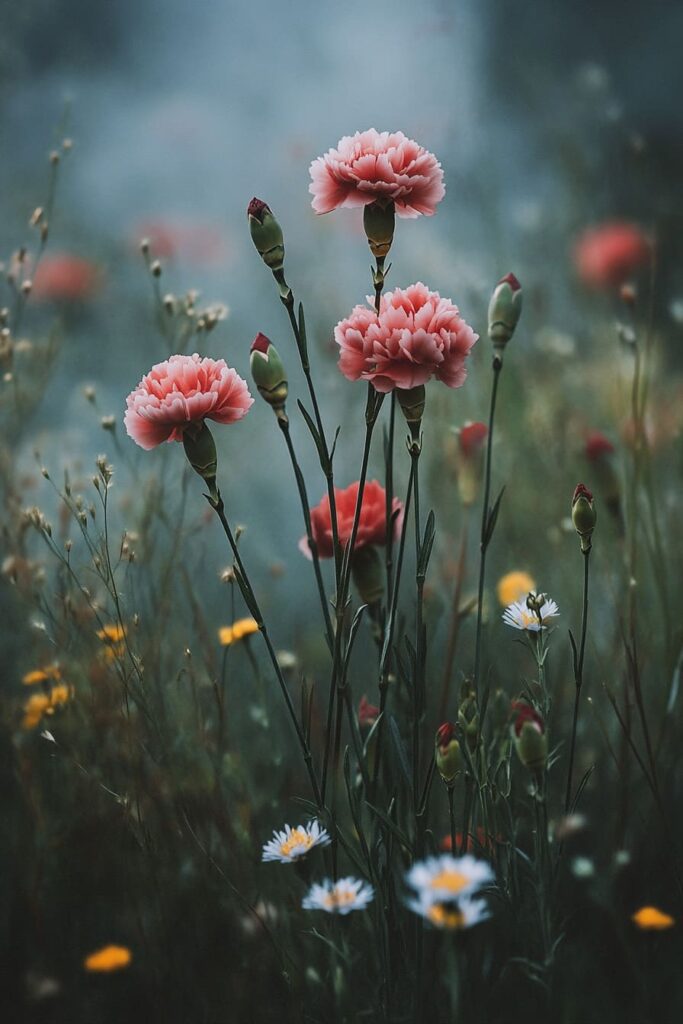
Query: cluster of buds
x,y
447,753
505,309
529,736
584,516
269,375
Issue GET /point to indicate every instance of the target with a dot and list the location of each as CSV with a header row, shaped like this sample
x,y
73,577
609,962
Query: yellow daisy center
x,y
451,881
444,916
297,839
339,898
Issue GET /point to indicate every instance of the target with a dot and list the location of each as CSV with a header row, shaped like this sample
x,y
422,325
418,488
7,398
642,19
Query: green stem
x,y
578,680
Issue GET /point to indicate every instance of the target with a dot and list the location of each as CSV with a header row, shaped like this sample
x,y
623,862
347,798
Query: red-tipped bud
x,y
584,515
266,234
268,372
529,735
597,446
469,460
447,753
367,713
505,309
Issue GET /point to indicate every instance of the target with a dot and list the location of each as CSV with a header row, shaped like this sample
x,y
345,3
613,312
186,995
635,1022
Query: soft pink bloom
x,y
63,277
607,255
417,335
372,525
180,391
377,165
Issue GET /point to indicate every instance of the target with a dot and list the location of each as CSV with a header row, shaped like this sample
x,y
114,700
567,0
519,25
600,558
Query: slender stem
x,y
389,491
467,810
578,680
219,508
419,627
283,422
451,816
485,537
454,623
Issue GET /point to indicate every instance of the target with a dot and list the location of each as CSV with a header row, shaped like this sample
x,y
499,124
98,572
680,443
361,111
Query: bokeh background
x,y
547,118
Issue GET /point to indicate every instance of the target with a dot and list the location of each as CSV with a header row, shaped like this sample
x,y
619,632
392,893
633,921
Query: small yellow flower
x,y
651,919
41,675
112,634
44,704
230,634
109,958
513,587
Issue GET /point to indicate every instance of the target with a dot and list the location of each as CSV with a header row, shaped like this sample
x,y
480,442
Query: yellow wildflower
x,y
651,919
41,675
230,634
513,587
112,633
109,958
44,704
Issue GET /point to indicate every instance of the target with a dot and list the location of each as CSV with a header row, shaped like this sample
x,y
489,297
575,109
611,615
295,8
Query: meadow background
x,y
547,121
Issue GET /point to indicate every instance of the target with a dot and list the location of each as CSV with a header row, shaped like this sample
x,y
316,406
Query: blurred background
x,y
548,119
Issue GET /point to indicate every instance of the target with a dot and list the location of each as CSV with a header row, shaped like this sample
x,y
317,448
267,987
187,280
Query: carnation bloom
x,y
238,631
597,446
109,958
513,587
181,391
372,524
606,255
520,615
294,843
417,335
652,919
64,278
340,897
370,166
44,704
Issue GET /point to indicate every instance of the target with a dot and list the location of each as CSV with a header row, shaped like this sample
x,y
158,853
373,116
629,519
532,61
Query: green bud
x,y
200,449
412,403
266,234
447,753
529,735
368,574
505,309
584,515
468,719
268,372
378,221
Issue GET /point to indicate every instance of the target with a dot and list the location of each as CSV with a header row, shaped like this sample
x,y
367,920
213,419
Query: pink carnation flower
x,y
417,335
372,524
180,391
375,165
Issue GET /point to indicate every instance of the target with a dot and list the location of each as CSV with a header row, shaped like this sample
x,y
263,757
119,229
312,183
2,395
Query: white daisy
x,y
451,915
340,897
523,614
293,843
446,878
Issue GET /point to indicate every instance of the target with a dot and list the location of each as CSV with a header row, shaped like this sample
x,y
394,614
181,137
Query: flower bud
x,y
378,221
447,753
268,372
266,234
469,460
584,515
367,714
468,720
505,308
368,574
412,402
529,735
200,449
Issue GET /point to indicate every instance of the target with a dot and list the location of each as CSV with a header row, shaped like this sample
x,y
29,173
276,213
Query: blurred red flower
x,y
607,255
62,277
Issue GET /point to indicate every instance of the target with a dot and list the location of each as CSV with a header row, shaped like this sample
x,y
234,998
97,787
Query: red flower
x,y
372,525
472,437
581,491
367,713
607,255
64,278
597,445
476,841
